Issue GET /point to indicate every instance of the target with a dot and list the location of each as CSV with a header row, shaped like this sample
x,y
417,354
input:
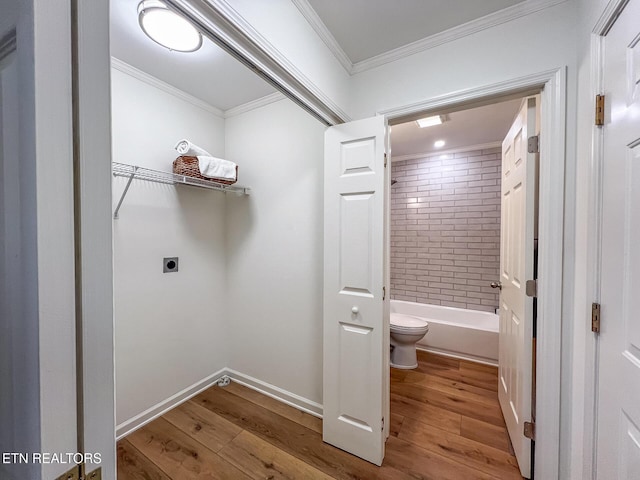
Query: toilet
x,y
406,331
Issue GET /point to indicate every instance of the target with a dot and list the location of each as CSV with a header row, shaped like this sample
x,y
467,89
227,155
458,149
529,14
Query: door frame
x,y
587,343
552,85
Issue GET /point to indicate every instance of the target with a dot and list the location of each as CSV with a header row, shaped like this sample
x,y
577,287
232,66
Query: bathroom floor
x,y
445,425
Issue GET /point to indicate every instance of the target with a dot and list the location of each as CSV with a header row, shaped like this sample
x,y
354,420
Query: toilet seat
x,y
402,323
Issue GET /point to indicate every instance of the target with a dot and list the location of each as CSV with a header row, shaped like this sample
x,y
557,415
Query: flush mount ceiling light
x,y
429,121
167,28
439,144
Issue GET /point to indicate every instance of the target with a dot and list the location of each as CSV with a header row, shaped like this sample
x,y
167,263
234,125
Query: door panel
x,y
355,327
618,419
516,267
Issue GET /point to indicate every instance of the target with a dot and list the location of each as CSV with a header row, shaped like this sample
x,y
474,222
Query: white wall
x,y
274,245
170,328
534,43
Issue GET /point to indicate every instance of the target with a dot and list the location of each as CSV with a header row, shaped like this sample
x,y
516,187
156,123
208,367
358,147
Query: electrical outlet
x,y
170,264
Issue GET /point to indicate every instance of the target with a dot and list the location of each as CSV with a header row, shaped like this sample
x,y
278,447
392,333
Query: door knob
x,y
496,285
354,310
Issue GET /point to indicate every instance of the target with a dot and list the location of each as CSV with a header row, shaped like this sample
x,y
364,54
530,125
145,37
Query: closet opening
x,y
217,185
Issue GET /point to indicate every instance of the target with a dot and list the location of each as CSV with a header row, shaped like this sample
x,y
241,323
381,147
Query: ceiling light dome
x,y
167,28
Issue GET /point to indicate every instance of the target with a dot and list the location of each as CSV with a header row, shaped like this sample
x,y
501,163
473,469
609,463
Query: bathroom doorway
x,y
457,234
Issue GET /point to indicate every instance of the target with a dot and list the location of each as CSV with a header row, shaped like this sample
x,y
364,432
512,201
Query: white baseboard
x,y
291,399
131,425
460,356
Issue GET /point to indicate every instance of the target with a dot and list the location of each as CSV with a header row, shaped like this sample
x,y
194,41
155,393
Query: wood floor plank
x,y
396,424
452,403
477,379
452,387
298,416
435,416
480,367
424,464
445,424
133,465
437,360
261,460
299,441
203,425
180,456
486,433
474,454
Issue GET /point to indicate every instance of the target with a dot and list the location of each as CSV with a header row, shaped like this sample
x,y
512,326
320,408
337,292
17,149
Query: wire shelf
x,y
169,178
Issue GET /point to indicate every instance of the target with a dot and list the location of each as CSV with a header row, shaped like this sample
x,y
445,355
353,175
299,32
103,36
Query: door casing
x,y
551,85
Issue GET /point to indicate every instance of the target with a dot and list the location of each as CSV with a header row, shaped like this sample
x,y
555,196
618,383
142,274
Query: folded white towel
x,y
185,147
213,167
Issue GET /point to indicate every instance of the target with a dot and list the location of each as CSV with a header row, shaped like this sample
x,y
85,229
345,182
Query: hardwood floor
x,y
445,425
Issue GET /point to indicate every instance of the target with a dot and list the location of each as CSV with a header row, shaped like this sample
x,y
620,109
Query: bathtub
x,y
455,332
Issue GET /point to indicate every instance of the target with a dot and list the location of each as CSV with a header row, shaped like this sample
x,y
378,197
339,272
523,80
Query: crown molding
x,y
488,21
323,32
252,105
470,148
165,87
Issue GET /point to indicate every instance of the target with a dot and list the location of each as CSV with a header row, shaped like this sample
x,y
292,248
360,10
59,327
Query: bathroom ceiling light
x,y
429,121
439,144
167,28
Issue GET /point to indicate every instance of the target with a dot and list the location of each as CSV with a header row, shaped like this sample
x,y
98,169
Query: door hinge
x,y
385,159
599,110
75,473
72,474
382,424
530,430
531,288
384,293
595,317
533,144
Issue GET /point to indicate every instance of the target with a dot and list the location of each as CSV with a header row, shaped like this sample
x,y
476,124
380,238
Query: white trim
x,y
471,96
474,26
323,32
165,87
150,414
459,356
608,16
470,148
550,275
551,238
277,393
253,104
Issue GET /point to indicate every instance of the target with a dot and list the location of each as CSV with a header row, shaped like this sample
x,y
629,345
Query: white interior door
x,y
618,418
516,267
356,330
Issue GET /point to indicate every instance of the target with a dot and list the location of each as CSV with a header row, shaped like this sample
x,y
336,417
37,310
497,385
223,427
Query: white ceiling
x,y
209,74
476,126
365,28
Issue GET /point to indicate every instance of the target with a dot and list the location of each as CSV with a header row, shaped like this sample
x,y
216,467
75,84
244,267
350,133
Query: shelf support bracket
x,y
124,192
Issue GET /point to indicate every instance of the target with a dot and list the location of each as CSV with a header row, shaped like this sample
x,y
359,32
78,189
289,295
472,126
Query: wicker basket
x,y
189,167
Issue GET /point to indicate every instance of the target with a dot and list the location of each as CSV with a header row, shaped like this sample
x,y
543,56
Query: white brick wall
x,y
445,229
